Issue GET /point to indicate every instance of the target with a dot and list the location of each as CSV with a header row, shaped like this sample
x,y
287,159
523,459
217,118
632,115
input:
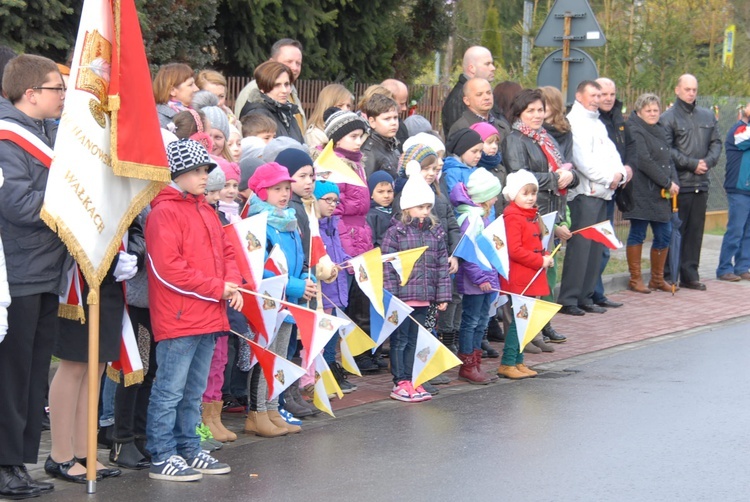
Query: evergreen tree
x,y
426,30
492,37
42,27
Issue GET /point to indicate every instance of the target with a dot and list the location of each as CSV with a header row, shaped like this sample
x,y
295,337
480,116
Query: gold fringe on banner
x,y
72,312
113,374
134,378
92,298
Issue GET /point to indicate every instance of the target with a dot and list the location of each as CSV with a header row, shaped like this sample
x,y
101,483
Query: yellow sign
x,y
728,55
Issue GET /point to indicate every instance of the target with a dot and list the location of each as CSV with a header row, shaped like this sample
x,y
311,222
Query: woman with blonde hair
x,y
334,95
215,83
370,91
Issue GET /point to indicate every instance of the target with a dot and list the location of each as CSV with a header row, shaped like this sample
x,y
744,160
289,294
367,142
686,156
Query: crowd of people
x,y
503,151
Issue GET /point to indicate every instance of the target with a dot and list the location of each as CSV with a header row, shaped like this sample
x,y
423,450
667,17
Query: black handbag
x,y
624,198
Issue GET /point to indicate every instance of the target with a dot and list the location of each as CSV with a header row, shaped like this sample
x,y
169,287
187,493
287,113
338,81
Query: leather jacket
x,y
693,135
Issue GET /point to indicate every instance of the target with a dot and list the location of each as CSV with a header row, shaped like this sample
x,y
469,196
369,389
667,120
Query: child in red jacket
x,y
527,256
191,274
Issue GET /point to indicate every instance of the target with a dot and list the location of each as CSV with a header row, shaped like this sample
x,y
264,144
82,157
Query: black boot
x,y
104,437
554,337
14,486
140,443
127,456
495,330
449,340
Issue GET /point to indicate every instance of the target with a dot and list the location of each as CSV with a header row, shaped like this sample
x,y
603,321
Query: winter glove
x,y
126,267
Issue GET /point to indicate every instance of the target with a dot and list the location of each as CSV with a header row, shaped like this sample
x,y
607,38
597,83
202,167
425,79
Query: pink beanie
x,y
231,169
485,130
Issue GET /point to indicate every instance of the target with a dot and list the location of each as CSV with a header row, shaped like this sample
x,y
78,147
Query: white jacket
x,y
595,155
4,291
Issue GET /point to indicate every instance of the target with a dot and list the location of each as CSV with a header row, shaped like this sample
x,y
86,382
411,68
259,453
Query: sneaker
x,y
173,469
340,375
366,363
289,418
206,464
233,406
207,439
405,392
423,394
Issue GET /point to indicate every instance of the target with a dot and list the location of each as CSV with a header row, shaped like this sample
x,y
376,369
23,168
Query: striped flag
x,y
603,233
314,329
261,312
354,341
381,327
248,239
276,262
531,315
493,243
431,358
317,248
548,222
368,273
279,372
403,261
467,247
325,384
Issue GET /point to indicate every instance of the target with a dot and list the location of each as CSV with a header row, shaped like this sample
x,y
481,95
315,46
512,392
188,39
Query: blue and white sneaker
x,y
173,469
206,464
289,418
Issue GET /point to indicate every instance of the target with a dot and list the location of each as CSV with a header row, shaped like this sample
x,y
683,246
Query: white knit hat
x,y
425,138
416,191
516,181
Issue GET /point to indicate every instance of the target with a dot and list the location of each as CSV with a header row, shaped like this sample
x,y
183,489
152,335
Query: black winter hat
x,y
463,139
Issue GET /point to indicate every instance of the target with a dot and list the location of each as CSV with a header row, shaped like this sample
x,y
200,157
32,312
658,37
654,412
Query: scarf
x,y
231,210
469,211
490,161
283,220
546,143
285,111
355,157
177,106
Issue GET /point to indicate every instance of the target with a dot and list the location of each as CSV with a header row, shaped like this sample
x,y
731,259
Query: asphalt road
x,y
662,420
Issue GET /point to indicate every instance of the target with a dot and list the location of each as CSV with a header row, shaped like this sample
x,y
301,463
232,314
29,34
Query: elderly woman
x,y
654,182
531,147
275,85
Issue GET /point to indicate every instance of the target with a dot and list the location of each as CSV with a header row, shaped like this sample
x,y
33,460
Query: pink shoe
x,y
404,391
424,395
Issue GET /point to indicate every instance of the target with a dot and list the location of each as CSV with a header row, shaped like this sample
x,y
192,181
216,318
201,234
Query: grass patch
x,y
616,265
717,231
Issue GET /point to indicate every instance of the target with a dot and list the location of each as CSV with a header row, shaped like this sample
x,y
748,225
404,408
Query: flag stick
x,y
557,248
93,389
241,336
261,295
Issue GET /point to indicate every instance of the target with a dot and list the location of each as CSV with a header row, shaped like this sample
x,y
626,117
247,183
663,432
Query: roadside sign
x,y
584,28
581,67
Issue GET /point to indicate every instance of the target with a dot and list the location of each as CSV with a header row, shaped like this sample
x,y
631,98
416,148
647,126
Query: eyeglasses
x,y
60,90
333,202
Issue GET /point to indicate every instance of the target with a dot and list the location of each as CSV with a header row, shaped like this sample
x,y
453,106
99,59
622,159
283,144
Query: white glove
x,y
3,323
126,267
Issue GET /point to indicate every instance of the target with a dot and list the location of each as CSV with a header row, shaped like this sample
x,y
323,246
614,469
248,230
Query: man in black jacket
x,y
696,146
610,113
477,63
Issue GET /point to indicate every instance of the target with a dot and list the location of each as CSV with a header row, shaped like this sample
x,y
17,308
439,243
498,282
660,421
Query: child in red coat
x,y
527,256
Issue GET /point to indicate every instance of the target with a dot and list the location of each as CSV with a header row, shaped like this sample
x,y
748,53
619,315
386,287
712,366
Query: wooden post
x,y
565,56
93,374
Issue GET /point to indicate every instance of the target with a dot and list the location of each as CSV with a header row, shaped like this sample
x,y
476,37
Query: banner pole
x,y
93,388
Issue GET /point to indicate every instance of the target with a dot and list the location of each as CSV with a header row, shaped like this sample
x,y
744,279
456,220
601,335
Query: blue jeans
x,y
404,344
174,408
107,417
662,233
474,320
736,243
599,295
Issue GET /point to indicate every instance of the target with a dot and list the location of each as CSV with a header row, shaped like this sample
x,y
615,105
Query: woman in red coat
x,y
527,255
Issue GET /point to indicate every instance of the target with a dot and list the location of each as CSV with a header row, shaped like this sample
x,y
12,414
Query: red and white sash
x,y
27,140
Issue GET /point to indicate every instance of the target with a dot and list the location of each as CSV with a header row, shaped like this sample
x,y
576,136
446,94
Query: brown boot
x,y
511,372
526,370
209,420
539,343
478,361
231,436
658,260
532,348
277,420
468,371
259,424
633,254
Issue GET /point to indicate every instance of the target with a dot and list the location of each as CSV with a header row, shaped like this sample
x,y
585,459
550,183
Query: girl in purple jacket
x,y
475,199
429,281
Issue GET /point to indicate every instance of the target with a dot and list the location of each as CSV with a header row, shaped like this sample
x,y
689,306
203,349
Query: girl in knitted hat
x,y
527,256
464,151
429,281
430,167
346,130
492,158
272,187
474,203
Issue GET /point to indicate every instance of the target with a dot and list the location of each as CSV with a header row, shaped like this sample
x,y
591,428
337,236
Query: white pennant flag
x,y
548,220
